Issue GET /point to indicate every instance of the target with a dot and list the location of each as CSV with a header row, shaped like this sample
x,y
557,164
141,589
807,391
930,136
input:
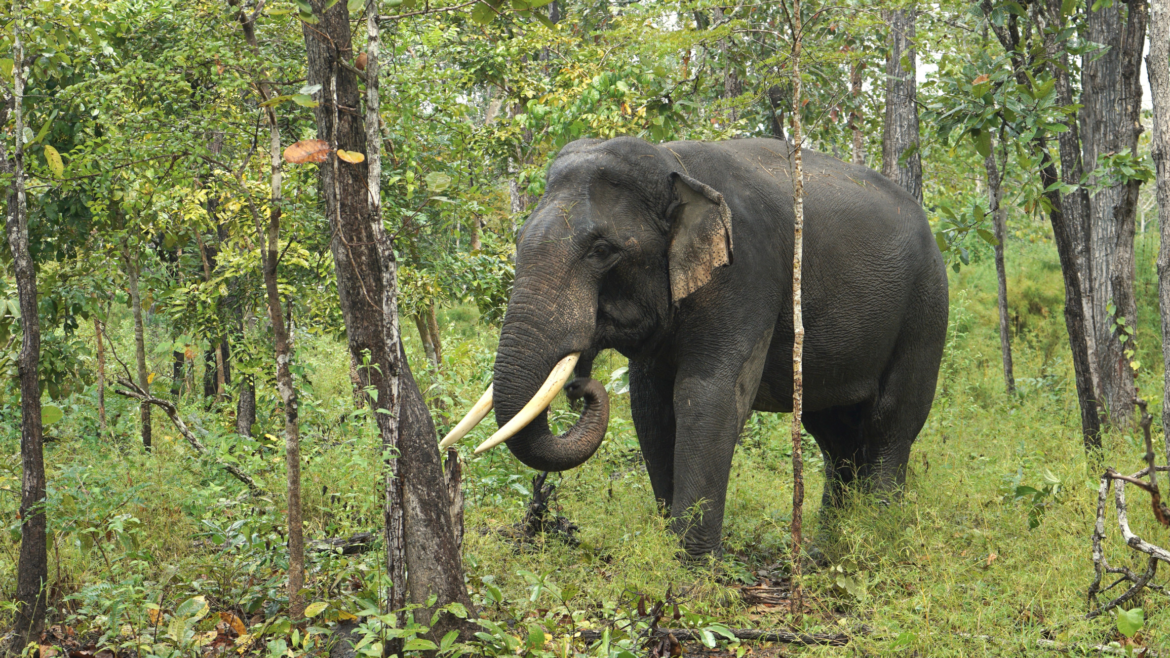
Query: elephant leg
x,y
711,403
839,433
652,408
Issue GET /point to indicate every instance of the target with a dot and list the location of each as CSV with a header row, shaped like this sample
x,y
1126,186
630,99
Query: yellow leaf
x,y
315,608
53,158
154,612
150,378
343,615
351,156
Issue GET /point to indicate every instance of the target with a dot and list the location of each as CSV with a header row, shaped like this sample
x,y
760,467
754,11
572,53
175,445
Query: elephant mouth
x,y
555,381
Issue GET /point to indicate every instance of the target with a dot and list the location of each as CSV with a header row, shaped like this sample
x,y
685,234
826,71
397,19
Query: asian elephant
x,y
679,256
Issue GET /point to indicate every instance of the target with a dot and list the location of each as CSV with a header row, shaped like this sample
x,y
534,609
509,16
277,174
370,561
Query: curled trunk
x,y
520,371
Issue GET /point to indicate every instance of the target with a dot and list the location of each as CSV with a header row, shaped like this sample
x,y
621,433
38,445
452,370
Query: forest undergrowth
x,y
987,552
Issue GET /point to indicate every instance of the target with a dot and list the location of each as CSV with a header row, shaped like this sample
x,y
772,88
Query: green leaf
x,y
6,66
315,609
707,637
304,100
482,13
195,607
51,413
437,181
419,644
354,5
987,236
1129,622
45,128
53,159
983,142
941,241
544,20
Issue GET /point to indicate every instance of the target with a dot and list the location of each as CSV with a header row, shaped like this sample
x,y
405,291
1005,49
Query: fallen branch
x,y
786,637
133,391
359,543
1111,478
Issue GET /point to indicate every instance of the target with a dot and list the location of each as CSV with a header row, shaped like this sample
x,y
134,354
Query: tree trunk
x,y
270,250
33,568
999,219
246,395
900,133
1066,212
1110,124
797,602
178,360
855,114
139,340
776,97
424,332
1158,70
431,556
101,375
1070,226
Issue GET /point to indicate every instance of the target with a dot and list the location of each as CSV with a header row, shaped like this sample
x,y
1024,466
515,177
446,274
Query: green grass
x,y
954,560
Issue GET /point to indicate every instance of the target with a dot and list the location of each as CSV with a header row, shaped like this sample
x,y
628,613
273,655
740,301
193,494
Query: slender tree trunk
x,y
431,556
246,396
392,507
797,600
1066,212
855,114
33,568
436,339
101,375
178,360
900,133
269,249
424,332
139,340
1158,70
776,97
999,219
1110,123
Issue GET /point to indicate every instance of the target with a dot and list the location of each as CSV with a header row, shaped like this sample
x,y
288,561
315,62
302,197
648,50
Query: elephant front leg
x,y
652,408
708,426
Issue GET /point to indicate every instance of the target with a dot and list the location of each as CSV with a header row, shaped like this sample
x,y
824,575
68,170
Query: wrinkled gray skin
x,y
626,250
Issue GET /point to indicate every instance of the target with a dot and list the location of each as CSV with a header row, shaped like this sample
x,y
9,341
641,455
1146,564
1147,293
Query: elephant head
x,y
620,238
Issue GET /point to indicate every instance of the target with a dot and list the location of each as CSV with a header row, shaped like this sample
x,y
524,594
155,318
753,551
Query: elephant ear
x,y
700,235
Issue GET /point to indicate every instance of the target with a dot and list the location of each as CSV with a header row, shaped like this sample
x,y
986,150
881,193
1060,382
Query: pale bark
x,y
999,220
270,251
1110,123
392,508
797,602
900,133
1158,70
32,578
855,114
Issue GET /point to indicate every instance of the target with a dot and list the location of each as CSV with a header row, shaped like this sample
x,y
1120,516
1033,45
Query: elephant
x,y
680,256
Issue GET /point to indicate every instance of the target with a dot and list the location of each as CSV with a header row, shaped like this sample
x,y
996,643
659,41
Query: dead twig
x,y
132,390
1111,478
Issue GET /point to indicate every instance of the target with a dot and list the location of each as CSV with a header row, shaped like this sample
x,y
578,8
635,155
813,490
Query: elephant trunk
x,y
523,365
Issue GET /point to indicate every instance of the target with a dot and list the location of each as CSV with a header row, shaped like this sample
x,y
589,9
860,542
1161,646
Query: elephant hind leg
x,y
839,433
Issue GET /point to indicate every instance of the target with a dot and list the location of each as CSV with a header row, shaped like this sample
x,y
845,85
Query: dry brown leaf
x,y
360,62
235,622
351,157
48,651
981,79
307,150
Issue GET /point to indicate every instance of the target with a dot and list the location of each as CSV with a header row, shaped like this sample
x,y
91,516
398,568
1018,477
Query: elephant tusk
x,y
539,402
473,418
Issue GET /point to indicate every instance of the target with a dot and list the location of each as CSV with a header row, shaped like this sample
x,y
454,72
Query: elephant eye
x,y
601,251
